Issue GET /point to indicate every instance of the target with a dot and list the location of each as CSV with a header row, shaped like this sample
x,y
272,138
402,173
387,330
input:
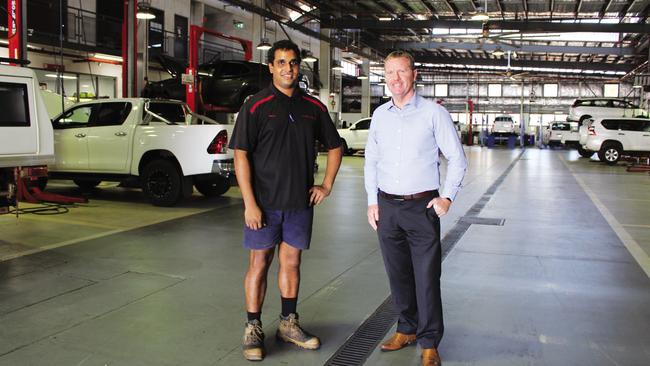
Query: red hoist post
x,y
195,34
14,23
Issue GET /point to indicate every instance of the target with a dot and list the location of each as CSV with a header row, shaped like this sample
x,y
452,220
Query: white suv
x,y
584,108
613,137
560,133
504,125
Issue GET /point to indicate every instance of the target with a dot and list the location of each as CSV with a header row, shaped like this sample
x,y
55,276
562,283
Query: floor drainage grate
x,y
482,221
360,345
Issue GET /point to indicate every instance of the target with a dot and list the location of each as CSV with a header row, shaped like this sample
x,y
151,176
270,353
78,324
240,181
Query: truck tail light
x,y
219,144
591,130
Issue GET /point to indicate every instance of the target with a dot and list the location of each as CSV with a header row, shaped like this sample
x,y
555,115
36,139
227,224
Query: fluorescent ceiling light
x,y
264,45
481,16
103,56
336,65
306,8
362,76
55,76
385,19
144,11
309,57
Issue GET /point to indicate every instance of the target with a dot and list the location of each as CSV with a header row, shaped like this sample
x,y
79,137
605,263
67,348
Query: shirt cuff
x,y
451,194
372,199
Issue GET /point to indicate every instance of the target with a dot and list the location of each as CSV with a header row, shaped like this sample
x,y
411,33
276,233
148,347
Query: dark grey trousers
x,y
409,236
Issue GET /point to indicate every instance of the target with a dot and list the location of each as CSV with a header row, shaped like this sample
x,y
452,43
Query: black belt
x,y
408,197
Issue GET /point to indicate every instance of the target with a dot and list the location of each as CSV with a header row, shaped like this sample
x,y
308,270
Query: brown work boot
x,y
289,331
253,343
398,341
430,357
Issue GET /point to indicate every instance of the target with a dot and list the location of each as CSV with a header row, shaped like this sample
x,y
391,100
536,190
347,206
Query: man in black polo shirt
x,y
274,141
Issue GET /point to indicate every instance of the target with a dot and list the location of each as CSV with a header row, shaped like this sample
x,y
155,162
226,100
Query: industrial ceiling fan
x,y
510,74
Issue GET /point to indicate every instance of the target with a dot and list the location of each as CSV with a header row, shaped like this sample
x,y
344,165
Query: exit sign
x,y
238,24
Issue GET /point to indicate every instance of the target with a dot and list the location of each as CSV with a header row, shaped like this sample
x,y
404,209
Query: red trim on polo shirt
x,y
259,102
315,101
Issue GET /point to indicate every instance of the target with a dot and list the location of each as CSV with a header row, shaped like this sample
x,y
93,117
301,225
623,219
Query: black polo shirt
x,y
279,133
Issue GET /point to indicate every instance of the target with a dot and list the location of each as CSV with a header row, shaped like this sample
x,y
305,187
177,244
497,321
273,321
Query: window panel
x,y
550,90
494,90
441,90
610,90
112,114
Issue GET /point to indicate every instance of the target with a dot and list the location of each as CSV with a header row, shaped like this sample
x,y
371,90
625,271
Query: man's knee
x,y
260,261
289,257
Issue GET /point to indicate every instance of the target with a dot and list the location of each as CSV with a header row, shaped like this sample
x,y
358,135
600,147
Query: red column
x,y
14,24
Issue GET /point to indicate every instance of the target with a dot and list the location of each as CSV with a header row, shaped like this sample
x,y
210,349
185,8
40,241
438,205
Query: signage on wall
x,y
54,67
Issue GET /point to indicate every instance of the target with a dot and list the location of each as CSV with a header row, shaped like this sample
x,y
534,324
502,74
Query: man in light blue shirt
x,y
402,179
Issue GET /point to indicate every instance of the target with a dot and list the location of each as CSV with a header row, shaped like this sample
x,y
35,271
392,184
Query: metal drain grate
x,y
360,345
482,221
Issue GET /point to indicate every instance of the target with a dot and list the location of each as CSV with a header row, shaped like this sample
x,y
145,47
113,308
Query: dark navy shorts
x,y
291,226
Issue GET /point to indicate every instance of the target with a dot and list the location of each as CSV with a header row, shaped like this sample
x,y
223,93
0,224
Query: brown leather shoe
x,y
398,341
430,357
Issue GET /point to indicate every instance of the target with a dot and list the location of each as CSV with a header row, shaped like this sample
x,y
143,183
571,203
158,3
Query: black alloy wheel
x,y
162,183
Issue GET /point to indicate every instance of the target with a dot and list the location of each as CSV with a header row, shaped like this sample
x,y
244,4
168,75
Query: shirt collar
x,y
412,103
296,93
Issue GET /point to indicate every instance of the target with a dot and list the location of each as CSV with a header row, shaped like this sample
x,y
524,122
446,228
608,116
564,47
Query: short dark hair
x,y
403,54
284,44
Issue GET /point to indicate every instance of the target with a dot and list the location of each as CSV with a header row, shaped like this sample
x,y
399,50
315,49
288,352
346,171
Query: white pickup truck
x,y
160,142
26,140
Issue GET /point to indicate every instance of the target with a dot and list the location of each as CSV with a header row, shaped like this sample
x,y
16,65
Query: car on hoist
x,y
222,86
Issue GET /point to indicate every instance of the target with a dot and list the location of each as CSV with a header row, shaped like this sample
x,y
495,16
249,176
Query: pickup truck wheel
x,y
610,153
86,185
584,152
212,186
162,183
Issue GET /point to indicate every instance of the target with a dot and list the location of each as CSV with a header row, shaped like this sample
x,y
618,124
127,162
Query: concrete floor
x,y
119,283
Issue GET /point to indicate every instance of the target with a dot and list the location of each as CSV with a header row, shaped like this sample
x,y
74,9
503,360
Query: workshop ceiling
x,y
566,38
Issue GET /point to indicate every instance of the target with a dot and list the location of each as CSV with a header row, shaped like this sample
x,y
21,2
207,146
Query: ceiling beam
x,y
524,63
273,16
577,12
529,26
624,9
621,51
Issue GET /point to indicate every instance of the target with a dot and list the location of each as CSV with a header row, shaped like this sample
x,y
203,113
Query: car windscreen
x,y
561,127
173,112
14,105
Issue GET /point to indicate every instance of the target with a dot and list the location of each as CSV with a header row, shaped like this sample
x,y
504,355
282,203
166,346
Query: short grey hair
x,y
401,53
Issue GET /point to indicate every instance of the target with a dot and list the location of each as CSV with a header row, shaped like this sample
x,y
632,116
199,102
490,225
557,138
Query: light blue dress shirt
x,y
402,152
